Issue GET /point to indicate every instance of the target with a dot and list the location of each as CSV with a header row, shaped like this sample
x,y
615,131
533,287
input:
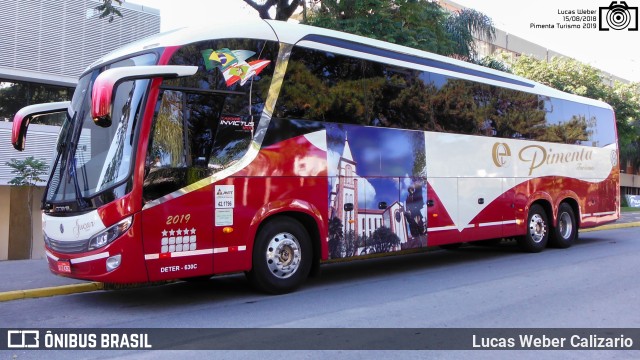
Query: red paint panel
x,y
593,200
176,228
128,245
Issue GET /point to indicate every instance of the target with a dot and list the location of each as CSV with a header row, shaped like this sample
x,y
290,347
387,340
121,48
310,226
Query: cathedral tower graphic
x,y
367,214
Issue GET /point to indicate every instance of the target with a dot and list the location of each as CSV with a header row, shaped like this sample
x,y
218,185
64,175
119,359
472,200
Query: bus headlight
x,y
108,235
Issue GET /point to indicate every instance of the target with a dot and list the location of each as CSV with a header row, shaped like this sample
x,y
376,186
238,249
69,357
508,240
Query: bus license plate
x,y
64,266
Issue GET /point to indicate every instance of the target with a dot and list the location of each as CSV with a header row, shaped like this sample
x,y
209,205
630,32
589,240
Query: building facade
x,y
45,45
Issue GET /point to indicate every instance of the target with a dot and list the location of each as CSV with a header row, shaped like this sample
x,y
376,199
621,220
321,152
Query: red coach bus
x,y
268,148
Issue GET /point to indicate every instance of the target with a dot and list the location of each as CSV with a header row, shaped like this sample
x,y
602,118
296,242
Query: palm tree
x,y
462,25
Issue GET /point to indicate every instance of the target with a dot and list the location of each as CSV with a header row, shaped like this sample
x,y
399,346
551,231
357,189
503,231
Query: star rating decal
x,y
178,240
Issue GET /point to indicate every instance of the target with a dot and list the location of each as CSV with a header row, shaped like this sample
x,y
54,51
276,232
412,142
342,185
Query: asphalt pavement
x,y
22,279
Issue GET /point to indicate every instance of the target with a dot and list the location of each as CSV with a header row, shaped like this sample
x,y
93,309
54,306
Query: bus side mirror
x,y
106,83
23,118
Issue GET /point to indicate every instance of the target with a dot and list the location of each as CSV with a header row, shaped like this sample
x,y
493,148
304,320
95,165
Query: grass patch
x,y
629,209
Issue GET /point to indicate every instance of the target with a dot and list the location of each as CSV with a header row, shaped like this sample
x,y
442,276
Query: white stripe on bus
x,y
453,227
177,254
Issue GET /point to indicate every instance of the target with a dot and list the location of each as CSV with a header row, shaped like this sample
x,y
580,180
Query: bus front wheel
x,y
281,256
537,235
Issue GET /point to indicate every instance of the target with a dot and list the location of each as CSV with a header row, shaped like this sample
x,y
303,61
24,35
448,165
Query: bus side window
x,y
601,125
166,152
323,86
202,115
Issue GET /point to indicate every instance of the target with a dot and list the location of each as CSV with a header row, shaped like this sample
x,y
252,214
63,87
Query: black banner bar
x,y
322,339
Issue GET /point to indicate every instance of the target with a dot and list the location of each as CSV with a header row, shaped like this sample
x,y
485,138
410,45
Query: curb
x,y
50,291
93,286
612,226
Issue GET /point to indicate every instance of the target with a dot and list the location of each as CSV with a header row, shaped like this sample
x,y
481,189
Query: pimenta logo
x,y
501,154
618,16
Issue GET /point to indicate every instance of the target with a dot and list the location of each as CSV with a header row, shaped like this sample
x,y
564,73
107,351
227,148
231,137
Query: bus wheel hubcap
x,y
283,255
537,228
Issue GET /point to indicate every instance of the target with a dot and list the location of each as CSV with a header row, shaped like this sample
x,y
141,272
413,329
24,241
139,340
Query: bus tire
x,y
566,231
537,235
281,256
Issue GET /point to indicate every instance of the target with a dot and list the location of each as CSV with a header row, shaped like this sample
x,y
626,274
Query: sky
x,y
614,51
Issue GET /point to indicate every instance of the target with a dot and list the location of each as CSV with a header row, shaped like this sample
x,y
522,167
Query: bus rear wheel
x,y
281,256
566,231
537,235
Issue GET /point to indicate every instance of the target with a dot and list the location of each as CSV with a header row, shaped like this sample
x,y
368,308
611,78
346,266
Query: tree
x,y
383,240
419,24
493,63
564,74
462,26
574,77
107,9
28,171
336,238
283,8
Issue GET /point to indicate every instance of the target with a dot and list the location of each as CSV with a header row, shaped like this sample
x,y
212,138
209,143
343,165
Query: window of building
x,y
14,95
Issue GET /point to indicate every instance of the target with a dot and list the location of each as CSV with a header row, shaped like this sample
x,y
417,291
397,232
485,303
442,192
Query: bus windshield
x,y
92,159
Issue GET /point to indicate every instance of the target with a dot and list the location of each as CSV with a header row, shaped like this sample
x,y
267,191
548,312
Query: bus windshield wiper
x,y
80,200
68,164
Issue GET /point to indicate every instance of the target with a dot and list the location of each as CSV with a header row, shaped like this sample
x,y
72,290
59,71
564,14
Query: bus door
x,y
177,216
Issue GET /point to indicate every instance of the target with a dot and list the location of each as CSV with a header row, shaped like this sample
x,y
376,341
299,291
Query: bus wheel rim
x,y
537,228
283,255
566,225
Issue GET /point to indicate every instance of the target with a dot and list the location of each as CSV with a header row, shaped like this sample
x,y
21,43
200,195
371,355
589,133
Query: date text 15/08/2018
x,y
573,342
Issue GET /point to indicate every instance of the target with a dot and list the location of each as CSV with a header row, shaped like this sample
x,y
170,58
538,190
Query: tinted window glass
x,y
322,86
15,95
205,122
327,87
601,127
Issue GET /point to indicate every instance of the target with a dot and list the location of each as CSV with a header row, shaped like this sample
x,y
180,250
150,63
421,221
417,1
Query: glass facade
x,y
15,95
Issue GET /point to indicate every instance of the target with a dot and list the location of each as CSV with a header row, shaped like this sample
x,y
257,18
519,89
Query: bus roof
x,y
346,44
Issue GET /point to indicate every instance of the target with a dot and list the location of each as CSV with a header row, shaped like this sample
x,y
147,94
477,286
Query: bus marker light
x,y
227,230
113,262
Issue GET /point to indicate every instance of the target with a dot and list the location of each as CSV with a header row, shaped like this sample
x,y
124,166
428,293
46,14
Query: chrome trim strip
x,y
51,256
178,254
604,213
89,258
